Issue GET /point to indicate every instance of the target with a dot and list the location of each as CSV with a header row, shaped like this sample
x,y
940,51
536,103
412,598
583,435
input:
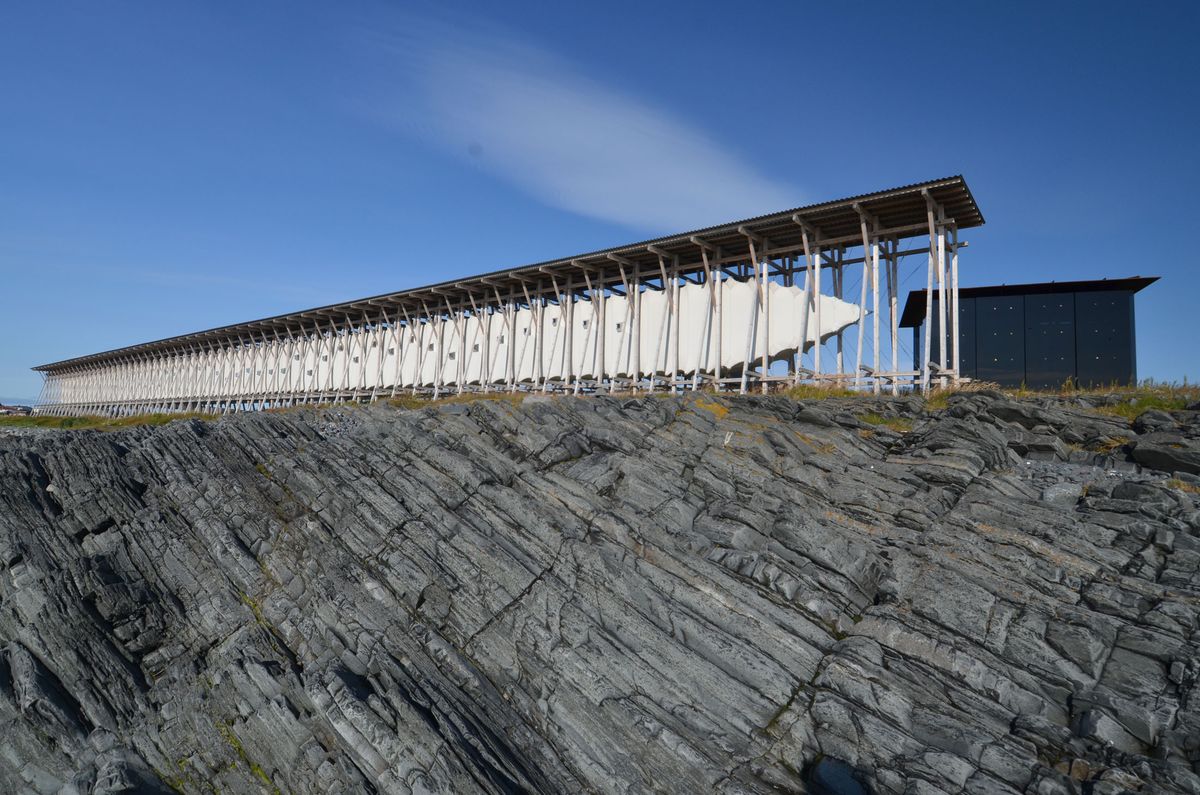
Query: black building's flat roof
x,y
914,307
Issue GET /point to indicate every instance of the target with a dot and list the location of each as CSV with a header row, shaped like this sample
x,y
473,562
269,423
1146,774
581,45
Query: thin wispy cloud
x,y
531,118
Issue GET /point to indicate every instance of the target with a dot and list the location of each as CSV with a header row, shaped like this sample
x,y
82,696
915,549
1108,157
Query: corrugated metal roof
x,y
895,208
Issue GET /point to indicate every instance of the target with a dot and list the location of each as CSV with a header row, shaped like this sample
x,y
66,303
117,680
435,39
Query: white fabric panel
x,y
425,354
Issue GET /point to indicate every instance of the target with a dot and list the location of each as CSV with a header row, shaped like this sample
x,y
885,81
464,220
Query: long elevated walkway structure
x,y
737,306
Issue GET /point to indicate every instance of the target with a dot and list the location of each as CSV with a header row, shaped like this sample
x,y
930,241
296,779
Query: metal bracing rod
x,y
875,308
570,321
954,319
558,329
621,264
525,335
479,328
664,327
460,332
718,288
310,340
703,348
676,310
636,322
862,316
942,381
751,328
765,289
539,345
499,307
427,328
380,343
893,274
626,332
511,349
363,352
870,246
587,338
929,210
839,291
805,307
812,289
599,302
439,363
764,286
347,345
408,339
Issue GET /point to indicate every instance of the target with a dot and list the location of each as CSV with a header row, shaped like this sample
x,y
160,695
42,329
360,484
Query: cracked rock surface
x,y
689,595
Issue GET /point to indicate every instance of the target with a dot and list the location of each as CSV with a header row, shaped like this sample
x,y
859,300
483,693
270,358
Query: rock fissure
x,y
666,593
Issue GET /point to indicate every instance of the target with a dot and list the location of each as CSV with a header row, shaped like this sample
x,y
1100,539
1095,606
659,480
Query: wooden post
x,y
941,251
766,303
954,332
636,298
928,294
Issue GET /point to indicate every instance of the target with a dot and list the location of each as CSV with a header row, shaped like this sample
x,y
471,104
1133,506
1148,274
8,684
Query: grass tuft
x,y
413,402
897,424
1183,485
94,423
818,392
712,407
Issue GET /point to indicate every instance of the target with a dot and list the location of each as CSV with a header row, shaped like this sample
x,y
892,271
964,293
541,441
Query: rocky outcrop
x,y
601,595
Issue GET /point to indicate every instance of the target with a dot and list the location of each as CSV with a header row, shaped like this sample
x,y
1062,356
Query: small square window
x,y
282,370
324,357
585,324
356,360
475,348
619,327
553,321
526,330
310,372
501,339
451,355
431,346
391,351
296,357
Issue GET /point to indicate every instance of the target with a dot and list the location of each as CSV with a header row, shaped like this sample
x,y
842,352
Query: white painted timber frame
x,y
741,306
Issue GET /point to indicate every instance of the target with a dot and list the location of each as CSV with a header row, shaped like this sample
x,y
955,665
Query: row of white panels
x,y
638,339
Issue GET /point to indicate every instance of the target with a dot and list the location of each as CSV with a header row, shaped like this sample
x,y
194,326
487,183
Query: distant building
x,y
1040,335
7,410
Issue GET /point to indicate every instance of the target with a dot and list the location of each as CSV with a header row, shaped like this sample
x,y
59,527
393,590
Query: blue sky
x,y
169,166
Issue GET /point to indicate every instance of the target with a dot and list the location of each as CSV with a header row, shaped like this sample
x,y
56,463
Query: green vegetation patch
x,y
897,424
231,738
1164,398
415,402
93,423
819,392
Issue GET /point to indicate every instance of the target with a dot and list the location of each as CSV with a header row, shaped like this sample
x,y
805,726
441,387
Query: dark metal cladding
x,y
1041,335
1000,330
1106,338
1050,339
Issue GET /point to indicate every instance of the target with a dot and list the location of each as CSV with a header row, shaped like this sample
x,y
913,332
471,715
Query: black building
x,y
1039,335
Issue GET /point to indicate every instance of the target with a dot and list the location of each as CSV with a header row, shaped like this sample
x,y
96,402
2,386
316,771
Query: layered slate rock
x,y
601,595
